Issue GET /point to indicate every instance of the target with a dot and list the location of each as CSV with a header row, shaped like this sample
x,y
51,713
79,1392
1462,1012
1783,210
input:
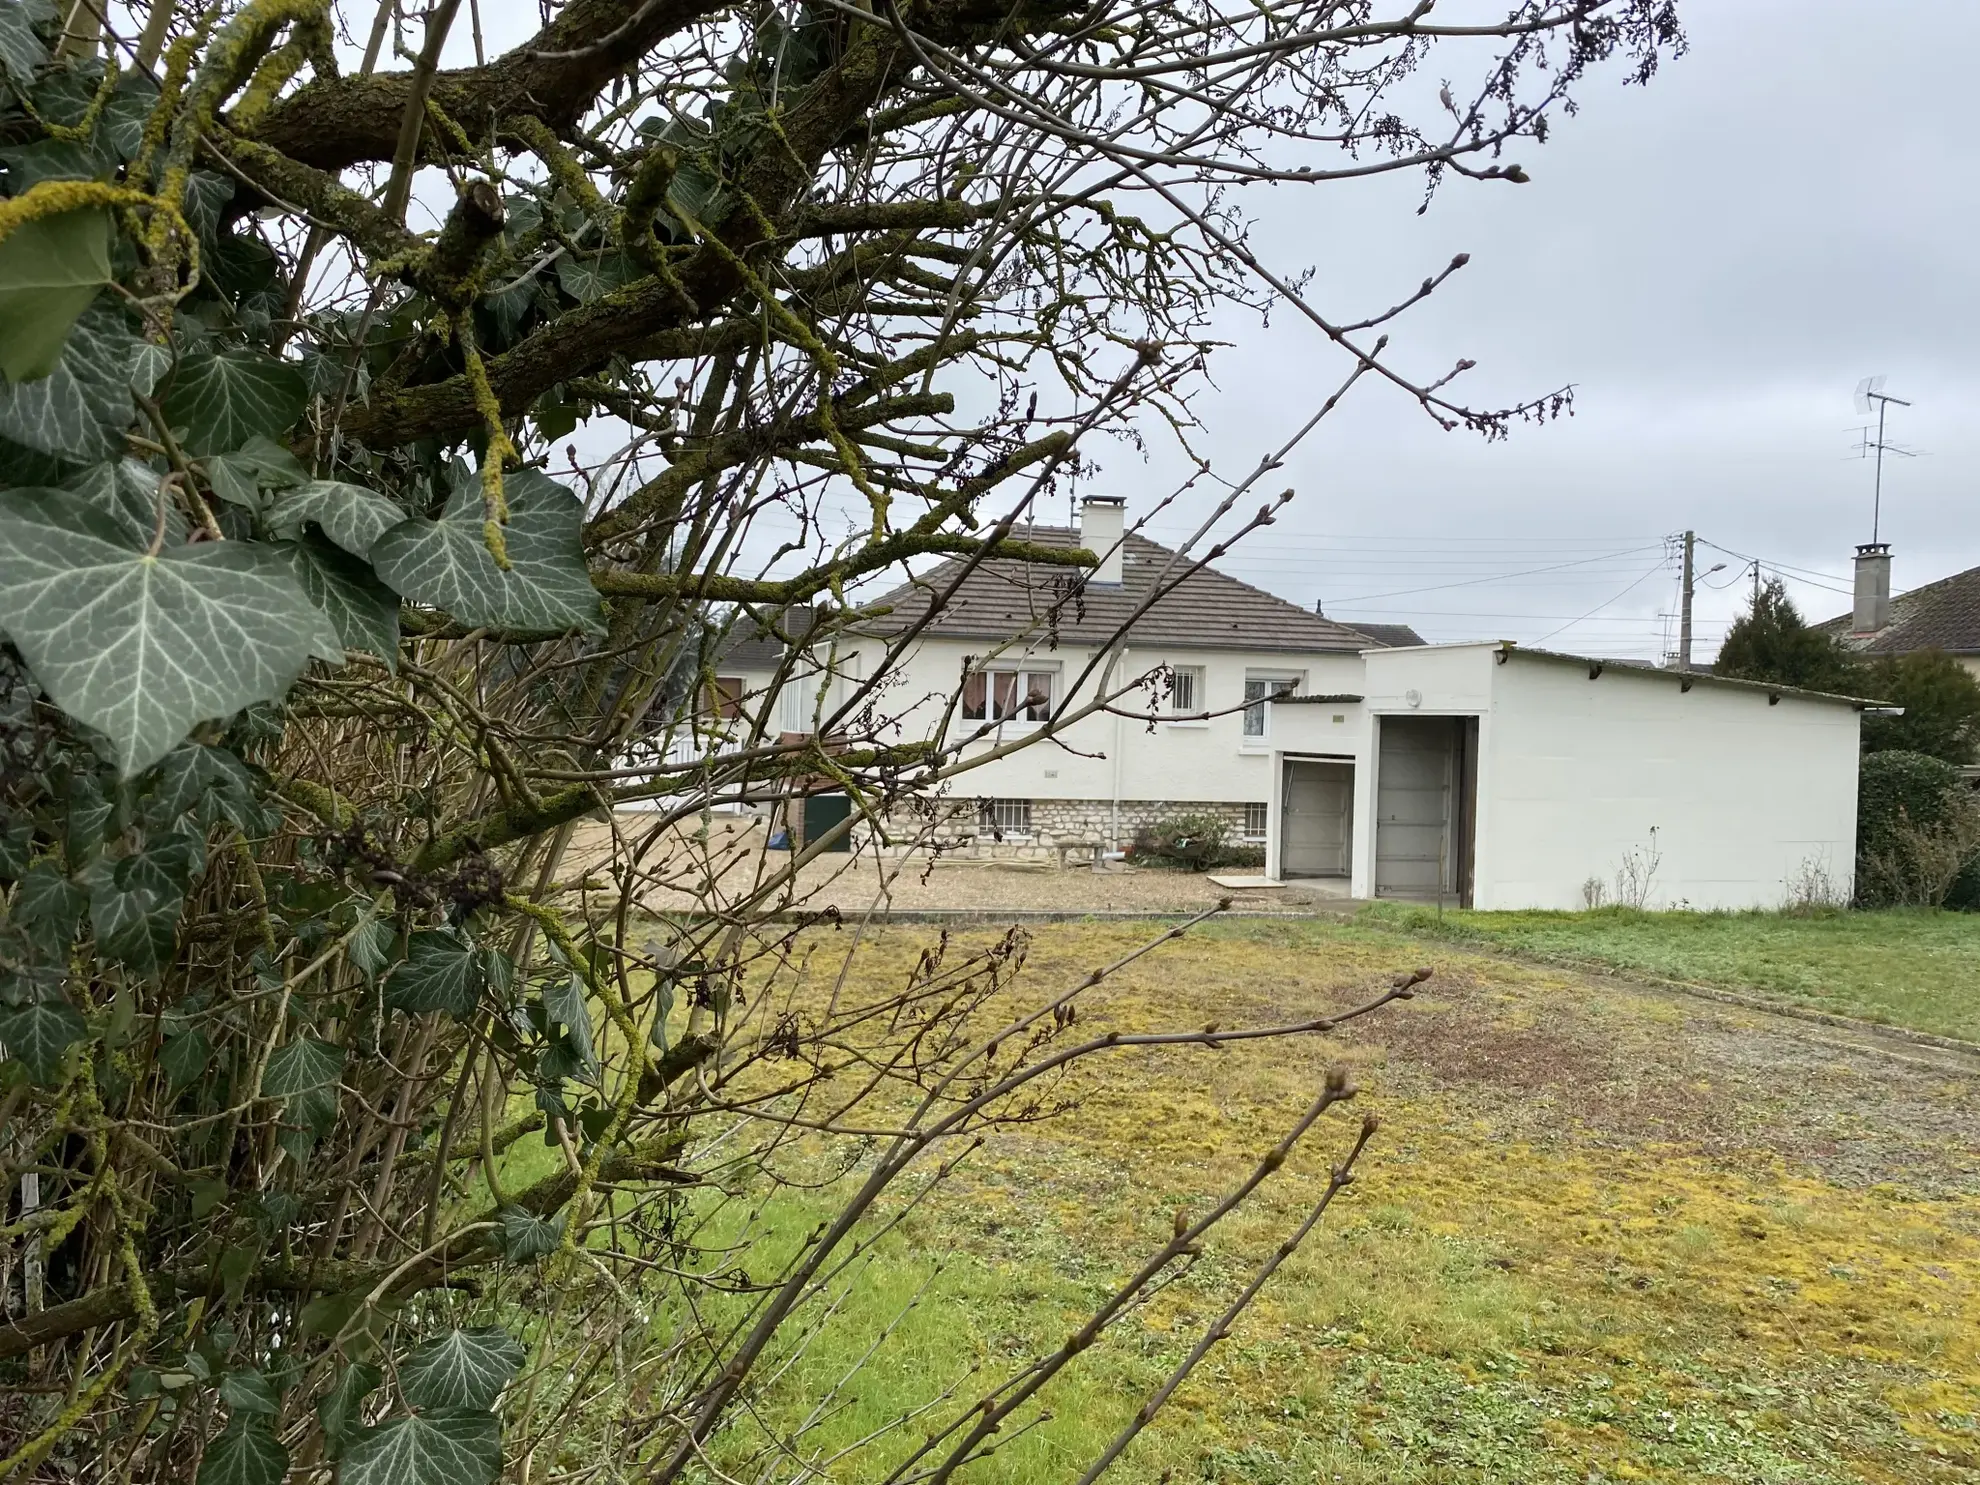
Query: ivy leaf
x,y
134,912
207,195
350,515
362,613
245,1390
51,269
526,1237
302,1066
127,492
442,971
461,1369
693,192
148,366
89,818
430,1449
370,946
564,1002
212,786
143,647
446,564
39,1034
222,399
21,51
121,128
587,278
184,1058
28,165
258,464
80,408
340,1410
15,842
246,1455
50,907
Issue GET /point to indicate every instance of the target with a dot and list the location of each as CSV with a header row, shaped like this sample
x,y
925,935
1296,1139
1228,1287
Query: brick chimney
x,y
1873,588
1102,528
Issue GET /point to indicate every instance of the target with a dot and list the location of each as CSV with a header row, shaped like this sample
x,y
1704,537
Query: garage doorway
x,y
1316,833
1426,782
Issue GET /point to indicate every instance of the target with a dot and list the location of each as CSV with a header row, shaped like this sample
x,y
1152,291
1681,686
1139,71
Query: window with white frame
x,y
1254,821
1186,691
1005,817
1256,691
1014,694
809,696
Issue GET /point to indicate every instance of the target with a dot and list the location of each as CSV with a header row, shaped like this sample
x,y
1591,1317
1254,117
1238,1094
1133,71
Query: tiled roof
x,y
753,646
1206,610
1939,616
1389,636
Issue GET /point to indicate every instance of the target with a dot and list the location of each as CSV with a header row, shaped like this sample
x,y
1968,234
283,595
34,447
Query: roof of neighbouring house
x,y
1939,616
1389,636
1207,609
753,646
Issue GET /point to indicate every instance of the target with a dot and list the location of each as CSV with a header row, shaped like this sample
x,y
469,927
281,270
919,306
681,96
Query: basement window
x,y
1003,818
1254,821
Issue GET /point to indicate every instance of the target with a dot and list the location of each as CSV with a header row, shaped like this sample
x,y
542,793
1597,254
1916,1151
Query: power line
x,y
1600,606
1497,578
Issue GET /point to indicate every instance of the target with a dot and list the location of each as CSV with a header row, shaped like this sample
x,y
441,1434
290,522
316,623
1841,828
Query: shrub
x,y
1194,842
1917,833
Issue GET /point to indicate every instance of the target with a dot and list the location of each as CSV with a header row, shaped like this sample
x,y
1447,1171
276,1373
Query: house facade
x,y
1015,644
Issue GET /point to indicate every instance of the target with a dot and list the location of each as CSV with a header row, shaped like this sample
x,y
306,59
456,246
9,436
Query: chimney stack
x,y
1873,588
1102,531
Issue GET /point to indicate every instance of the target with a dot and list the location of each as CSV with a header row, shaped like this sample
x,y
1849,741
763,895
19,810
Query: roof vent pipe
x,y
1873,588
1102,531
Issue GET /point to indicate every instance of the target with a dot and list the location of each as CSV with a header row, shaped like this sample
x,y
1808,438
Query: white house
x,y
1188,744
1501,777
1481,774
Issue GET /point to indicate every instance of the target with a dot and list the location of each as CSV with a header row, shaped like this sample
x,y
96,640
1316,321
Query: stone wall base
x,y
958,825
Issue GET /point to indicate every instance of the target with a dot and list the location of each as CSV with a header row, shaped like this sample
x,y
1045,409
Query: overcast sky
x,y
1714,262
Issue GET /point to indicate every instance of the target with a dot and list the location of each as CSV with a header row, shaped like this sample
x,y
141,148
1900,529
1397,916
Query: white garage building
x,y
1500,777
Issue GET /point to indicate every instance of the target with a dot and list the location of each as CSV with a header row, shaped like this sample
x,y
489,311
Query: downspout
x,y
1120,722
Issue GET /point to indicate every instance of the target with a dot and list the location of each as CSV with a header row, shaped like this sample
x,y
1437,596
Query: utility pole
x,y
1684,603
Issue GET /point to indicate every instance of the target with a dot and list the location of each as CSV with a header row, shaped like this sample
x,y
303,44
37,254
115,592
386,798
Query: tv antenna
x,y
1868,391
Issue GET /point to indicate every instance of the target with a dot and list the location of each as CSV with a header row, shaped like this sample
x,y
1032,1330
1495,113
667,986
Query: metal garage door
x,y
1415,779
1319,816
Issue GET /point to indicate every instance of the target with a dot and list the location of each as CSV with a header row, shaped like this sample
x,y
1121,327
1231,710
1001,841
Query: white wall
x,y
1309,730
1575,774
1105,757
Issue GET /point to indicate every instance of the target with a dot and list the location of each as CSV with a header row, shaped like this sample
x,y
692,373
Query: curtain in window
x,y
1254,716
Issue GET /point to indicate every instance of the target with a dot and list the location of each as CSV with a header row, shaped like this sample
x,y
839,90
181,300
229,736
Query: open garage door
x,y
1424,779
1319,818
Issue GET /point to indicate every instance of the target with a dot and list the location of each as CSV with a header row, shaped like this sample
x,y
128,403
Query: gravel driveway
x,y
686,868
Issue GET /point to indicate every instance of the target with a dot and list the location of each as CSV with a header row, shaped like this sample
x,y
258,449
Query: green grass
x,y
1516,1290
1906,968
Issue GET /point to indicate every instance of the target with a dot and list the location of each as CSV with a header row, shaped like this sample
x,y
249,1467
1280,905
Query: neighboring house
x,y
1498,777
1222,645
1939,616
